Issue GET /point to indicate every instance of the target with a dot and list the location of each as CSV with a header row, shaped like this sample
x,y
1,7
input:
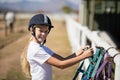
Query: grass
x,y
10,38
14,74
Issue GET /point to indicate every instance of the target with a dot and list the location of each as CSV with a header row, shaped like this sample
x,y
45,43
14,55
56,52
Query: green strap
x,y
102,52
93,66
94,63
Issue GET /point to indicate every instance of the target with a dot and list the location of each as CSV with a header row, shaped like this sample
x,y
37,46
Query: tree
x,y
67,9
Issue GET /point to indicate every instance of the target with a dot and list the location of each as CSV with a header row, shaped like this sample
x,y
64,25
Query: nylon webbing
x,y
93,66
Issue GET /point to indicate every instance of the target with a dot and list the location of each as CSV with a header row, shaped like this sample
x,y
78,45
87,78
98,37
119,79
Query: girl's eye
x,y
46,32
41,31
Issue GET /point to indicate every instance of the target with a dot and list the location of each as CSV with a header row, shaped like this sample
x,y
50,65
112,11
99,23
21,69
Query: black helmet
x,y
41,19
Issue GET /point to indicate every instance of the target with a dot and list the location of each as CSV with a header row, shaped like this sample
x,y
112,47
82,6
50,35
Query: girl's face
x,y
41,32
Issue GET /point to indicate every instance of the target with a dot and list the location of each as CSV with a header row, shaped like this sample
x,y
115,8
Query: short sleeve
x,y
42,55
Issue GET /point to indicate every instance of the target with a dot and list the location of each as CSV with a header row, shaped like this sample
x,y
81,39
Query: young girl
x,y
39,59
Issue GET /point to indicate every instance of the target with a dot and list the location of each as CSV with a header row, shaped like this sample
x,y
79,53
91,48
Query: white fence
x,y
78,36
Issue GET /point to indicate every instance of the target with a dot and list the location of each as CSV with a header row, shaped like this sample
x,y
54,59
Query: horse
x,y
10,19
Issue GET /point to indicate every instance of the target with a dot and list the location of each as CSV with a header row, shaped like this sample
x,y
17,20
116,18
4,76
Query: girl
x,y
39,58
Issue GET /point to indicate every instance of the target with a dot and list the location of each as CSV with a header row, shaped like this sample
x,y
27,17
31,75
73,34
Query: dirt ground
x,y
10,54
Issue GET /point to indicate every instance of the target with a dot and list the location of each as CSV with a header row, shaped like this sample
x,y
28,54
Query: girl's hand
x,y
81,50
88,53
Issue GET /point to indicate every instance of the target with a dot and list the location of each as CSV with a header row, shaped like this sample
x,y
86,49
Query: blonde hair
x,y
24,63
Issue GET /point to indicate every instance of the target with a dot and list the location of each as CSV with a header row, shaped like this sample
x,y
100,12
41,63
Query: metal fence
x,y
80,35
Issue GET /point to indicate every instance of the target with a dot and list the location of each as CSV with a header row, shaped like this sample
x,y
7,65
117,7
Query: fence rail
x,y
80,35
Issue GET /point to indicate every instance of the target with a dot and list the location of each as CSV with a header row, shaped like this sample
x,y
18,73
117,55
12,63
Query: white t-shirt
x,y
37,56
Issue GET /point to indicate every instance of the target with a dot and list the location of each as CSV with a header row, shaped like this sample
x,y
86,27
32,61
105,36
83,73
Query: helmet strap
x,y
33,31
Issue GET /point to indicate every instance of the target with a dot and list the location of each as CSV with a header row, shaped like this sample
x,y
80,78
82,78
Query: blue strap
x,y
93,66
97,63
79,70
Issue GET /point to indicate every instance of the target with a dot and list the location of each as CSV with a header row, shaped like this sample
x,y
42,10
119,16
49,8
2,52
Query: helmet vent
x,y
45,19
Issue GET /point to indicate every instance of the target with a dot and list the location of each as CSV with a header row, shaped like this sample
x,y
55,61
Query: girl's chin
x,y
40,40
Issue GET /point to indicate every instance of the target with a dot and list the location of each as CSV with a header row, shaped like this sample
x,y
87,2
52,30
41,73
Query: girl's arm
x,y
60,62
77,53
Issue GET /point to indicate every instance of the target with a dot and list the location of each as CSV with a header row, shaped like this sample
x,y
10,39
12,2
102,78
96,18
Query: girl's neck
x,y
34,40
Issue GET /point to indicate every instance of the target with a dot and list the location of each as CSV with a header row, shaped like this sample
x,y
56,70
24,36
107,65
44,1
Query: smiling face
x,y
41,32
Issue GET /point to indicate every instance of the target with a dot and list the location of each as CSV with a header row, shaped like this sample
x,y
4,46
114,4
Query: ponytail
x,y
24,63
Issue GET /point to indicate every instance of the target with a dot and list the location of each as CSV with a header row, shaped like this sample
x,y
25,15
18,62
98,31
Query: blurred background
x,y
14,19
97,15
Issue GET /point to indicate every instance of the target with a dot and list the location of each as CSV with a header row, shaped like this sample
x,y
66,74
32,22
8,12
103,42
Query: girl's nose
x,y
43,33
